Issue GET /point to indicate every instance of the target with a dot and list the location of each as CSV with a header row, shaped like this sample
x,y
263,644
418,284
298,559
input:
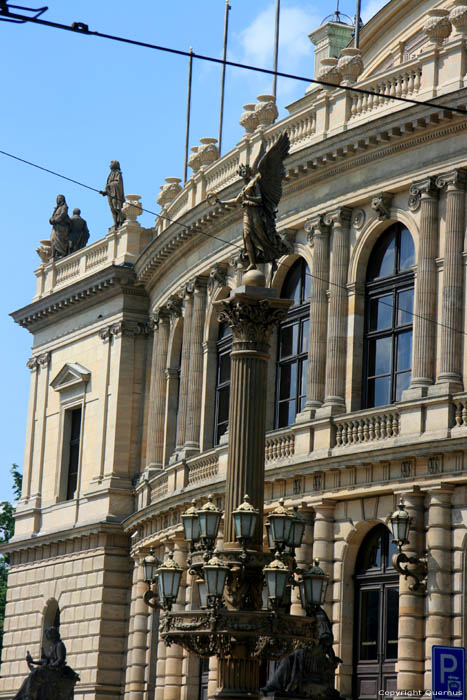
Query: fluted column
x,y
439,579
135,680
184,367
337,319
252,312
174,653
411,650
157,395
450,371
318,236
193,419
304,557
323,538
424,194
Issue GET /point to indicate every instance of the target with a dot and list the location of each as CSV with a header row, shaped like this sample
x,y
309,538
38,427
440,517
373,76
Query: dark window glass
x,y
224,348
293,346
389,318
392,622
369,625
74,416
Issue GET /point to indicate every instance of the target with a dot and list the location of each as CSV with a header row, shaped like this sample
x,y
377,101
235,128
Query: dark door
x,y
203,678
376,616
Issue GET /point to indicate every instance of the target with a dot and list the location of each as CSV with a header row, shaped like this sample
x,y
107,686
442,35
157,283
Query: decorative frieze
x,y
407,468
381,204
358,219
125,328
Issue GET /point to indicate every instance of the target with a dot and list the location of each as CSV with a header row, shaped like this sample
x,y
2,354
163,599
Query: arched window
x,y
376,615
293,345
224,348
389,317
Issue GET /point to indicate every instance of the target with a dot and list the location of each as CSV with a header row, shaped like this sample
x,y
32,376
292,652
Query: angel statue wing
x,y
271,166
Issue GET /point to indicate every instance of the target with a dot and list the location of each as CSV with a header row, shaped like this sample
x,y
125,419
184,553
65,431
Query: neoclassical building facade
x,y
367,403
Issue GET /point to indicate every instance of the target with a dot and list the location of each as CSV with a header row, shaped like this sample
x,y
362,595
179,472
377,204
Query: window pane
x,y
405,307
305,336
304,369
223,404
392,622
379,391
369,624
407,250
308,280
224,368
381,313
286,413
404,351
371,557
402,383
288,381
289,341
292,284
380,356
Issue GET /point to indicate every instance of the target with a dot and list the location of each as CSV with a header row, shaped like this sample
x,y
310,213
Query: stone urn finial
x,y
208,151
249,118
132,207
266,110
437,27
194,161
329,71
458,17
350,65
169,191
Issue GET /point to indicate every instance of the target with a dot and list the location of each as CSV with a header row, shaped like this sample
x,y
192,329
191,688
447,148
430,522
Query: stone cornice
x,y
57,536
109,282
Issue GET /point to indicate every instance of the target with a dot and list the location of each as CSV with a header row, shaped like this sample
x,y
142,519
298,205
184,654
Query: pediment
x,y
72,374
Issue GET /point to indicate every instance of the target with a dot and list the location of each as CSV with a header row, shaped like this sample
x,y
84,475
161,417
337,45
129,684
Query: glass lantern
x,y
400,525
215,574
190,522
245,520
313,586
150,564
276,574
297,530
280,521
169,576
209,517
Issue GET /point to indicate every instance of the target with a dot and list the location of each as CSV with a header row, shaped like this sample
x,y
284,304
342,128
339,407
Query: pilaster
x,y
157,397
187,294
193,420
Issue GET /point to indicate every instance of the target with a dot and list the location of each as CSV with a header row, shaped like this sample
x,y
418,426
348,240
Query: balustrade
x,y
367,428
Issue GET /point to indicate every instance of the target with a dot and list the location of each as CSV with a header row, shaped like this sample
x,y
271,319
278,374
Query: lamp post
x,y
400,525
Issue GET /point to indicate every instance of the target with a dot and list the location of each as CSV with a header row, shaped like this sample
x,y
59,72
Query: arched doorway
x,y
376,616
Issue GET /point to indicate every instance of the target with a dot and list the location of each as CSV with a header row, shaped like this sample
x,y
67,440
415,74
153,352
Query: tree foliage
x,y
7,529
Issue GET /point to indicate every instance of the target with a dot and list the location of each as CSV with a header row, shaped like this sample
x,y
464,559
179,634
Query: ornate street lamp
x,y
276,575
215,574
313,586
150,564
245,521
169,576
400,525
209,518
190,522
297,530
280,521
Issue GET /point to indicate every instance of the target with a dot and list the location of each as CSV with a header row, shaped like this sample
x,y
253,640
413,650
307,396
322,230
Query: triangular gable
x,y
71,374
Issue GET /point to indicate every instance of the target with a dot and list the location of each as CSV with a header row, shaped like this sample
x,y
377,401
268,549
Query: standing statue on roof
x,y
114,192
60,222
259,198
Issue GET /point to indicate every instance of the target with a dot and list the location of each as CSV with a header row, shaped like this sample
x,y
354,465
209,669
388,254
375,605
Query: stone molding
x,y
381,204
160,315
316,226
422,189
453,179
341,216
127,328
174,307
358,219
217,277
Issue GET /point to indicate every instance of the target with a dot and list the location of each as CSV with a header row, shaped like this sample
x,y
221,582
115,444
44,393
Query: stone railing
x,y
367,428
403,81
160,487
223,172
280,446
203,468
460,405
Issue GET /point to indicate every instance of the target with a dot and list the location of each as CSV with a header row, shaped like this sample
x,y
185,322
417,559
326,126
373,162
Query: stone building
x,y
130,372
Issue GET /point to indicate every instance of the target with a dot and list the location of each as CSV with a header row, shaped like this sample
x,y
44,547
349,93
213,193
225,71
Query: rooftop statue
x,y
259,198
50,678
79,232
60,222
114,192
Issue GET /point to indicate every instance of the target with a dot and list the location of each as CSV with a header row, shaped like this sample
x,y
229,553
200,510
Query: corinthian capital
x,y
316,226
342,216
422,189
453,180
160,315
252,321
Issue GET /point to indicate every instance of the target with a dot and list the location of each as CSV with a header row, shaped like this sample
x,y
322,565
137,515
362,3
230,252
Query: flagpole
x,y
276,47
221,111
188,111
357,25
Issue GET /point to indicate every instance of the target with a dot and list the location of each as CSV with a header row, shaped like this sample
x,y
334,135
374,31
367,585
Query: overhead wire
x,y
196,229
83,28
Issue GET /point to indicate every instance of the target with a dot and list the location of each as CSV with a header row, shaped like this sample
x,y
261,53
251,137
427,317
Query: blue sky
x,y
73,103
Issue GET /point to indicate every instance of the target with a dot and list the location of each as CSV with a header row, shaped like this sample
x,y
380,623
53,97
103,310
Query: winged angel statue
x,y
259,198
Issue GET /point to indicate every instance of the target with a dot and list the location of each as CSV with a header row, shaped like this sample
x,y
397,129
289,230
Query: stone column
x,y
318,236
323,542
411,651
157,396
193,419
184,367
439,579
424,194
337,319
450,374
304,557
135,681
174,653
